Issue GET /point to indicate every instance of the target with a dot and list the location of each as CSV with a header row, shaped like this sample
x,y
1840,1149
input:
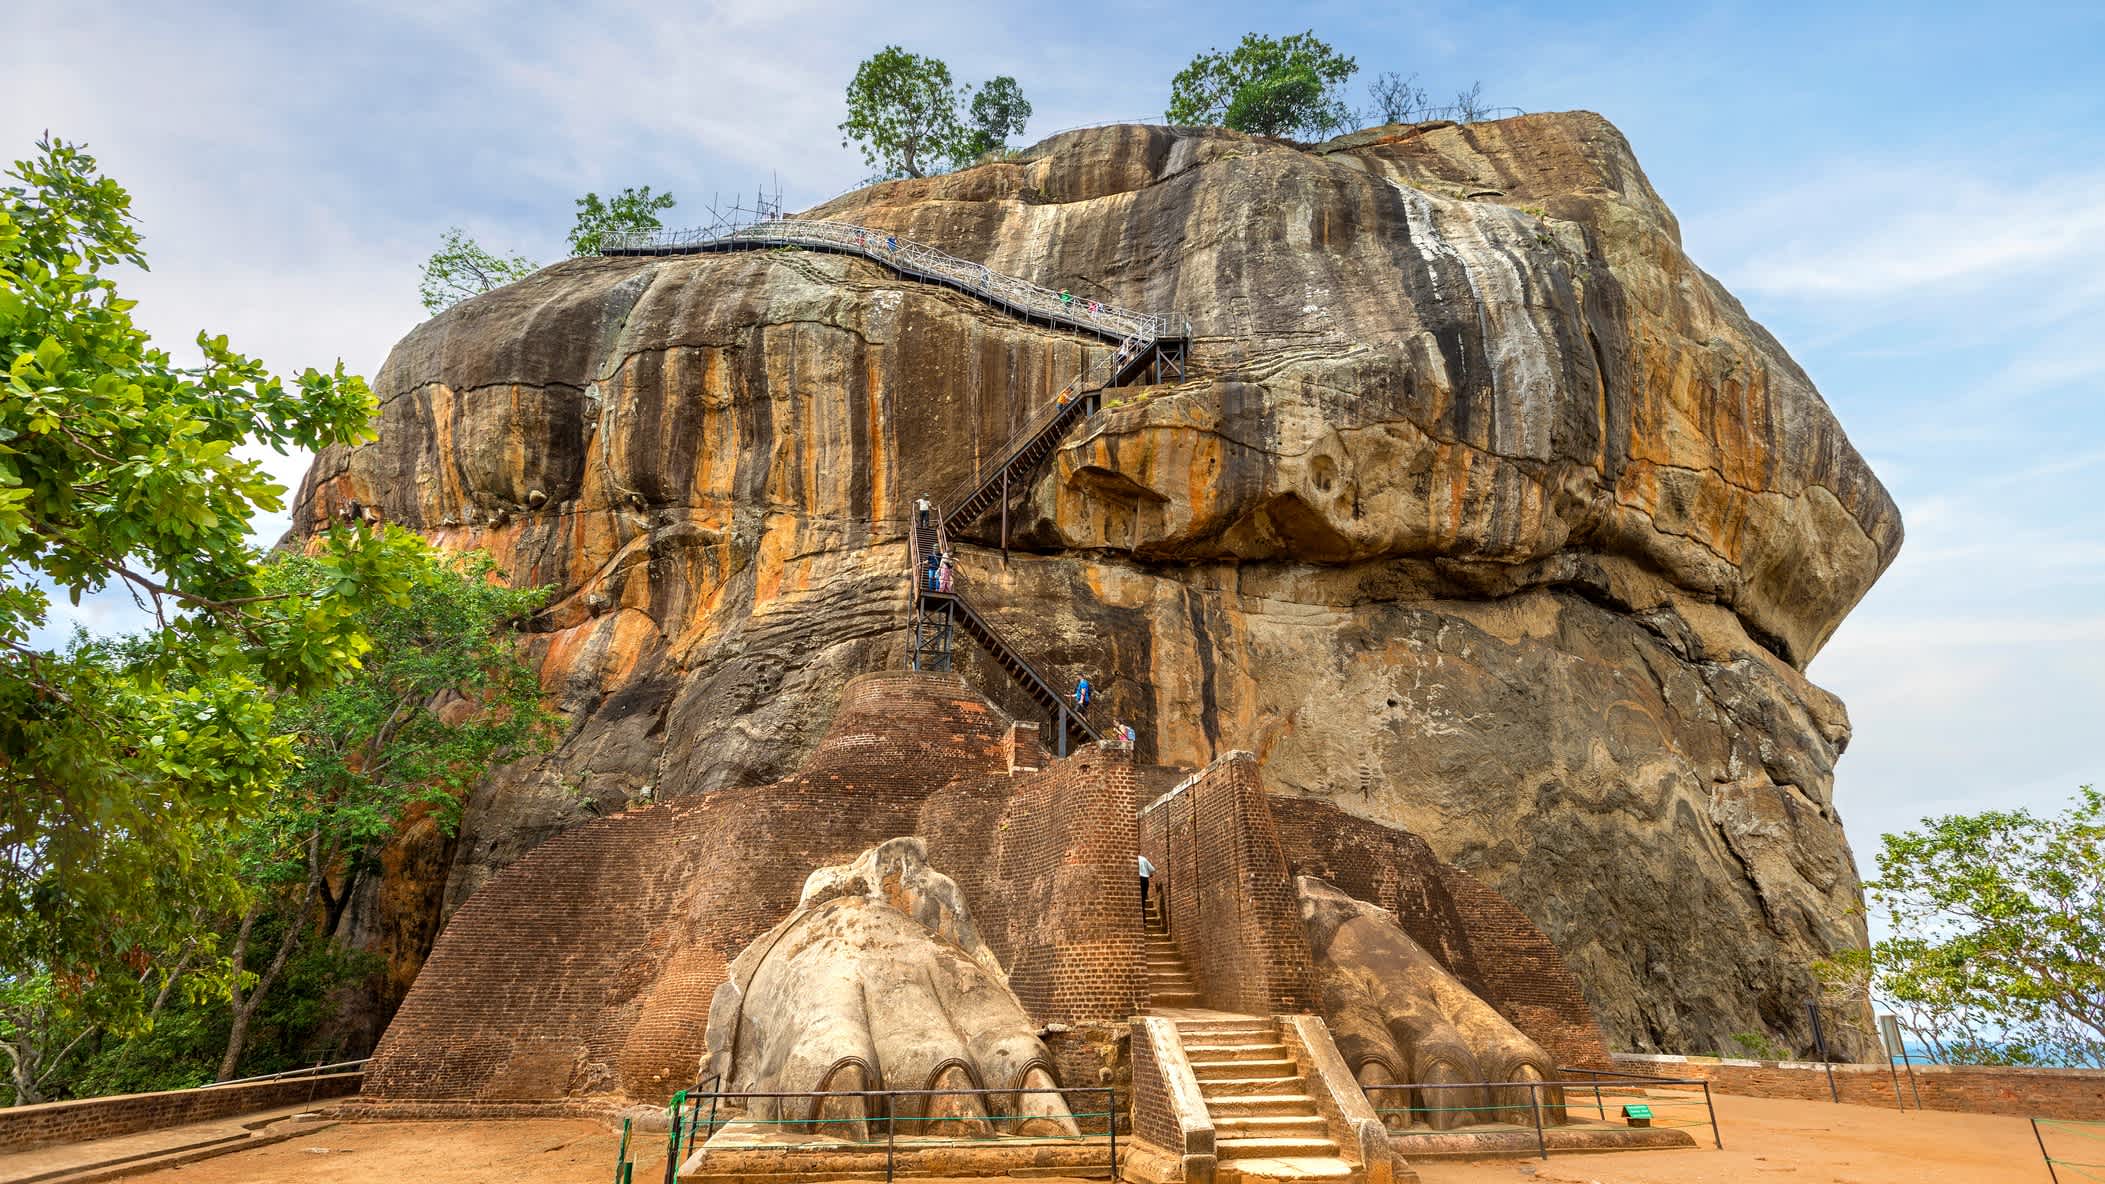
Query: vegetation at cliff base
x,y
141,776
1997,951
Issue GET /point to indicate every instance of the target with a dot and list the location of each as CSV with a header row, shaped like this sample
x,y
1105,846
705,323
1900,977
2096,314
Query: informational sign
x,y
1889,1031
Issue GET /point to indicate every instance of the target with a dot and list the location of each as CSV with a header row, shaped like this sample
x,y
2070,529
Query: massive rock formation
x,y
1485,514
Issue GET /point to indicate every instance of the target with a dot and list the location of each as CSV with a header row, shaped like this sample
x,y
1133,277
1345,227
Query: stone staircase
x,y
1265,1121
1169,980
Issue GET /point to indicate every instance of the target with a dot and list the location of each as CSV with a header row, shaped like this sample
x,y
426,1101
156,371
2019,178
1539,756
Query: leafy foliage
x,y
442,693
122,765
461,268
902,112
1998,946
1274,86
632,211
998,111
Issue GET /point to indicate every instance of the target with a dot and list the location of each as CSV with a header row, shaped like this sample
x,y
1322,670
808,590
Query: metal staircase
x,y
939,615
1146,344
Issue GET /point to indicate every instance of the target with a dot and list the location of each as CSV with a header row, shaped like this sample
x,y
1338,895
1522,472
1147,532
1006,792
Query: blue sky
x,y
1907,195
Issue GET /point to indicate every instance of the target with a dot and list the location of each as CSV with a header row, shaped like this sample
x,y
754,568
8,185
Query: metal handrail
x,y
905,255
315,1071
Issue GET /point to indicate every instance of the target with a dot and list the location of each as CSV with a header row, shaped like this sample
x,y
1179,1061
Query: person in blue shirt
x,y
1083,692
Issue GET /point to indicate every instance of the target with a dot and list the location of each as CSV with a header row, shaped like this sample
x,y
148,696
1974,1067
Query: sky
x,y
1905,194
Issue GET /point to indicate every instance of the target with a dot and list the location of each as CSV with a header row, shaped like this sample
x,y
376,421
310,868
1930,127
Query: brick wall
x,y
24,1127
1230,900
587,967
1474,932
1975,1089
1154,1118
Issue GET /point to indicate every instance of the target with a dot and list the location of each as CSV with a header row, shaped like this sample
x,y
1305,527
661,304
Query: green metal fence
x,y
2074,1137
1637,1100
889,1110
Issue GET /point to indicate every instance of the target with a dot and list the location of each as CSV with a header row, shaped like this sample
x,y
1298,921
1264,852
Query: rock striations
x,y
1484,513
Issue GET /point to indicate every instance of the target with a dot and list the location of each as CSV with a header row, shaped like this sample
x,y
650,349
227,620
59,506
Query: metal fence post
x,y
891,1136
1820,1043
2036,1137
1715,1137
1111,1120
1535,1104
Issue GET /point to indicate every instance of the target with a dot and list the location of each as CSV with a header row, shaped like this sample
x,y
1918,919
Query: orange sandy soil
x,y
1765,1140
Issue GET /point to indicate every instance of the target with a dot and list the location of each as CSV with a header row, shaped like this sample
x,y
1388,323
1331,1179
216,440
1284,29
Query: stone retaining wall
x,y
25,1127
1974,1089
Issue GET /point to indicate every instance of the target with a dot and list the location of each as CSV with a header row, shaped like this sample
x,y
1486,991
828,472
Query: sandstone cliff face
x,y
1485,513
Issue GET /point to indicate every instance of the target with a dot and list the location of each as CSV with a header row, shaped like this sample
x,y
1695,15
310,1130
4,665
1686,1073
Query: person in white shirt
x,y
1147,872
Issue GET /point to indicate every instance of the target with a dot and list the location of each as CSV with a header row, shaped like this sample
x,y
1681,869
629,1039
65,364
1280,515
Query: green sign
x,y
1637,1110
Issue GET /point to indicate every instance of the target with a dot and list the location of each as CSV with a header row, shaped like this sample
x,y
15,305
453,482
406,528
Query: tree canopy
x,y
122,763
462,267
998,111
1274,86
902,112
632,211
1997,950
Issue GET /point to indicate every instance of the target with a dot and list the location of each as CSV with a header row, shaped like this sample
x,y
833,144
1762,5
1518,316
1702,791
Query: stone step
x,y
1264,1038
1229,1070
1269,1126
1271,1148
1294,1167
1252,1105
1197,1028
1211,1052
1244,1087
1173,998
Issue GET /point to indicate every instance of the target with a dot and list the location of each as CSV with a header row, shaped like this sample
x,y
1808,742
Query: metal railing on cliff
x,y
1135,331
1019,296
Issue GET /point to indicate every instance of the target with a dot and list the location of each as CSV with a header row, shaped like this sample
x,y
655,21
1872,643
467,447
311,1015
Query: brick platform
x,y
587,967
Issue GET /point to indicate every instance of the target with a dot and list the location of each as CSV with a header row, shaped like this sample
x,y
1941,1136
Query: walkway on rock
x,y
1147,343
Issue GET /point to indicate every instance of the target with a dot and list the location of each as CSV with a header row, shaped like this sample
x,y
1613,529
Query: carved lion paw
x,y
1399,1017
879,981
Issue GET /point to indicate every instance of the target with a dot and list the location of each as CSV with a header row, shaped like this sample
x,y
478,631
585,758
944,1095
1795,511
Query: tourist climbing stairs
x,y
1265,1120
940,610
1057,707
1146,344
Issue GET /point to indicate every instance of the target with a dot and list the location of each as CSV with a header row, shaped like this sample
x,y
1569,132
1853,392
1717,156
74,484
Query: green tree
x,y
1998,935
442,694
902,112
632,211
1273,86
461,268
998,111
120,467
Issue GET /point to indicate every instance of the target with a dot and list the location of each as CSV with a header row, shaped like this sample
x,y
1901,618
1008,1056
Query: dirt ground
x,y
1766,1140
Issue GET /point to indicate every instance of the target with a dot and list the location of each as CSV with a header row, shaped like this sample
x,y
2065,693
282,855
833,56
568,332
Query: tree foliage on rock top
x,y
1997,951
632,211
998,111
902,113
1274,86
462,267
120,763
